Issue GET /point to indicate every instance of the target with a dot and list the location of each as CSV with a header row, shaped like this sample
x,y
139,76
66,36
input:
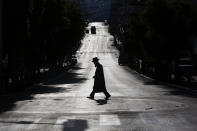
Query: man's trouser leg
x,y
92,94
106,94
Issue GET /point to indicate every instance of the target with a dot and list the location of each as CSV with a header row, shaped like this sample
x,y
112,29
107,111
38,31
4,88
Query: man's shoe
x,y
92,98
107,97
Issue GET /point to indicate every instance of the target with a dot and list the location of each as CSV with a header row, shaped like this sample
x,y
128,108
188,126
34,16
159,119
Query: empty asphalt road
x,y
137,104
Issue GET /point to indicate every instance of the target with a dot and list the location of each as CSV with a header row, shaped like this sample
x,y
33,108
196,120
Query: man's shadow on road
x,y
102,101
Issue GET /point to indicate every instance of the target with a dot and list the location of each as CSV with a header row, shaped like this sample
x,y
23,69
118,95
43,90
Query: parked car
x,y
93,29
185,68
182,68
123,58
70,61
73,60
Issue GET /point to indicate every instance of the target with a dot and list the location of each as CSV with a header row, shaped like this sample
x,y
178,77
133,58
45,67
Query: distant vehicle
x,y
93,30
105,22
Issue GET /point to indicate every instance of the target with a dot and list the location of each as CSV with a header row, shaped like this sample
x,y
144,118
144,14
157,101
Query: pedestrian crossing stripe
x,y
77,95
109,120
62,122
59,123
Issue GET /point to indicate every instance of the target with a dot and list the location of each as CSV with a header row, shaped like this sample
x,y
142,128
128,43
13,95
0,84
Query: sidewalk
x,y
191,87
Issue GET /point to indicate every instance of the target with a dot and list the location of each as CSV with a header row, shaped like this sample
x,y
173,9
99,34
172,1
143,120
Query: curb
x,y
166,83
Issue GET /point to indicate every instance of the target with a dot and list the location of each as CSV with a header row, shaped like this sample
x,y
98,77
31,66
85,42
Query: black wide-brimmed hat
x,y
95,59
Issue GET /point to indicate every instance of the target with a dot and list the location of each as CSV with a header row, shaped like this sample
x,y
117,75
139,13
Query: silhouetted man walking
x,y
99,80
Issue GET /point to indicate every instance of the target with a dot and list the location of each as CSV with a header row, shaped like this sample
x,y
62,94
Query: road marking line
x,y
59,124
33,126
70,94
109,120
60,121
22,123
116,94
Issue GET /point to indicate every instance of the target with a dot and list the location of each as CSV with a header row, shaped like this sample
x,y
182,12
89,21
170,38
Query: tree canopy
x,y
40,32
160,29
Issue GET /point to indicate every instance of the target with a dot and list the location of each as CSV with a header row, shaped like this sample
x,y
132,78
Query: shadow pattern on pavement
x,y
101,102
69,125
8,101
75,125
67,78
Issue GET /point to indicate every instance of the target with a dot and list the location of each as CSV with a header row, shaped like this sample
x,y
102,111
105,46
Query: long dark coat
x,y
99,79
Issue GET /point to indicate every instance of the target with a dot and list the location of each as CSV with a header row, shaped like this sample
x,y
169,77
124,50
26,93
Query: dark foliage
x,y
157,31
38,33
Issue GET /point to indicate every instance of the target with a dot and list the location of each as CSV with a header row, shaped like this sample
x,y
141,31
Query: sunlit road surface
x,y
137,103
